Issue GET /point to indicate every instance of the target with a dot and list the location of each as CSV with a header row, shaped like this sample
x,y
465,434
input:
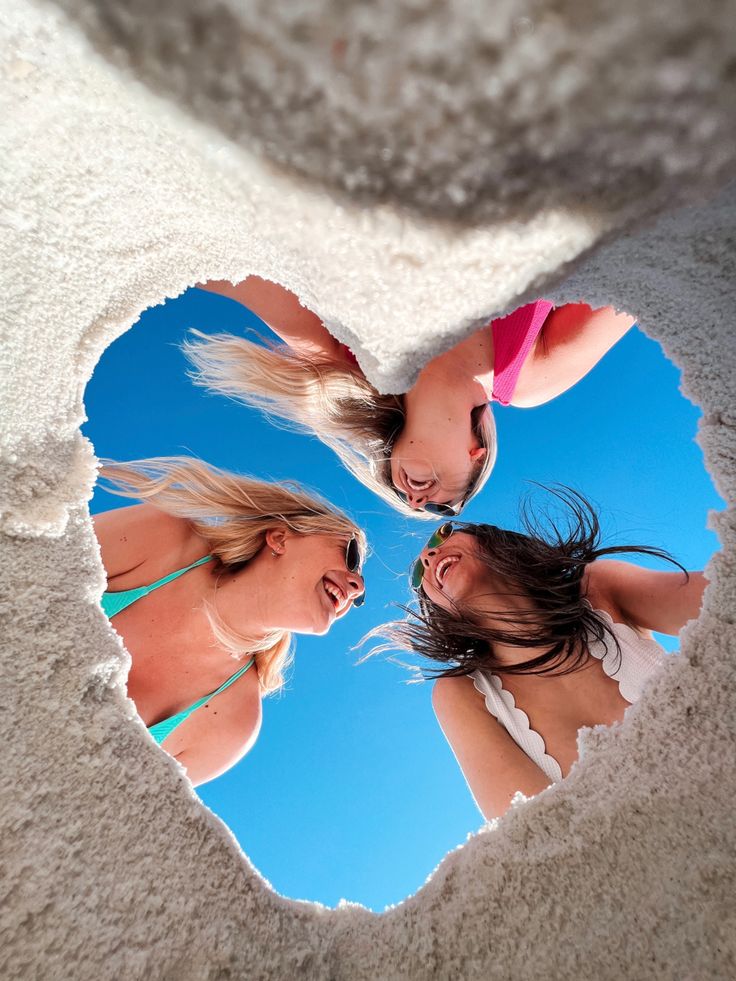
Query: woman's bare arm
x,y
130,536
494,767
648,598
281,310
572,342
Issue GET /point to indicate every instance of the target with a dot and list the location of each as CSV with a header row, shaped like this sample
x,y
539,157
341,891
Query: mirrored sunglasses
x,y
437,538
441,510
353,563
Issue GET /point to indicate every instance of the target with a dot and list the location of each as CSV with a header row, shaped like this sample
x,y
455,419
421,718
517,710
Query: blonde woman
x,y
425,452
206,582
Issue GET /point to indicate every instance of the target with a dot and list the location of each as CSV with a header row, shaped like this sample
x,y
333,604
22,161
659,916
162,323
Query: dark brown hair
x,y
545,563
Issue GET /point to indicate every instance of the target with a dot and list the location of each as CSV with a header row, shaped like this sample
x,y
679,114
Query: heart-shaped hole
x,y
350,790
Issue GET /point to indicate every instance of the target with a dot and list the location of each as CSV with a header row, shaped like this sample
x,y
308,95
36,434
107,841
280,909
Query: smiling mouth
x,y
416,485
335,594
442,567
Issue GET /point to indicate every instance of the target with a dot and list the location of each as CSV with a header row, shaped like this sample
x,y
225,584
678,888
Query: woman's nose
x,y
416,501
356,584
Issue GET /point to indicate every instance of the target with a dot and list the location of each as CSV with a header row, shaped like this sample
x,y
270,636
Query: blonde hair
x,y
232,513
327,397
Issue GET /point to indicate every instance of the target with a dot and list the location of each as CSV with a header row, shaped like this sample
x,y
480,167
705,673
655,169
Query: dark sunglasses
x,y
352,563
442,510
441,535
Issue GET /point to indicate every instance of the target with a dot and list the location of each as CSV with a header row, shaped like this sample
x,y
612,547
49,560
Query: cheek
x,y
437,596
307,613
298,594
464,584
395,458
439,599
303,568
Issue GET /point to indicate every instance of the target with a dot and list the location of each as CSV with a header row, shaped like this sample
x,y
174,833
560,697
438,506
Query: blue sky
x,y
351,791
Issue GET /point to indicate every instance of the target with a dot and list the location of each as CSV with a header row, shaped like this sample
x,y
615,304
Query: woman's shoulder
x,y
141,537
600,581
606,582
457,698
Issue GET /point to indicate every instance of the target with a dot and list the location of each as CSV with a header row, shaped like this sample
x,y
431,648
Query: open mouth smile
x,y
442,567
335,594
416,485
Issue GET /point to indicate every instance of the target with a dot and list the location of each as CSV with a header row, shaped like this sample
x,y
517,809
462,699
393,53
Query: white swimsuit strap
x,y
502,706
638,658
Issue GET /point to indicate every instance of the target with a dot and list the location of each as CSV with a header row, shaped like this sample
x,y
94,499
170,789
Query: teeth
x,y
418,485
332,591
442,567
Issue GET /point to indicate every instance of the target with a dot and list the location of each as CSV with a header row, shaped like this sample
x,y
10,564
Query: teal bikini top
x,y
114,603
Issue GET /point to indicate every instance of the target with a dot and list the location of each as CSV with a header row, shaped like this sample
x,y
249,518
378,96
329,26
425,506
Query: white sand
x,y
500,155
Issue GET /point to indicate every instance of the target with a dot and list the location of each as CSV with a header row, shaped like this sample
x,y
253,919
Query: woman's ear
x,y
478,454
276,539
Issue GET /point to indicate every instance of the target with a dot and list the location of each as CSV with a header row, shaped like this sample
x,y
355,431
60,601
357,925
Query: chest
x,y
559,706
171,656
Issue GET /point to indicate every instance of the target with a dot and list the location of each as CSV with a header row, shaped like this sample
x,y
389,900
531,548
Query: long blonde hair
x,y
232,513
327,397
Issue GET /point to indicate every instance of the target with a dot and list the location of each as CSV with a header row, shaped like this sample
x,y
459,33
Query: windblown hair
x,y
232,513
546,564
324,396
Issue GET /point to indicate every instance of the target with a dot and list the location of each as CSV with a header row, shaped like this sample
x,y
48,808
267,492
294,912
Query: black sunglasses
x,y
441,510
437,538
352,563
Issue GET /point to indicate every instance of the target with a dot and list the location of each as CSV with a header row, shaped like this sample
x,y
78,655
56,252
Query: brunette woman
x,y
537,635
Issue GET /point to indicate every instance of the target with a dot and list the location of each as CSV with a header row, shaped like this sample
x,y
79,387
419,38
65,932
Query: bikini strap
x,y
161,730
175,575
233,678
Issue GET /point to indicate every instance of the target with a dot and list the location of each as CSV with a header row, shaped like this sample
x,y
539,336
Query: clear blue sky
x,y
351,791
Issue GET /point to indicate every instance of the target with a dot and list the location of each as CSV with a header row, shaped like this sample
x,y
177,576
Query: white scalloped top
x,y
640,656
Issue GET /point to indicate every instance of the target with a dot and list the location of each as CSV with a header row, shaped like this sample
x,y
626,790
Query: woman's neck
x,y
508,654
240,599
244,601
468,367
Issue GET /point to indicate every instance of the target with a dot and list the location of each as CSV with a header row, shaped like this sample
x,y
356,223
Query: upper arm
x,y
573,340
281,310
494,767
220,733
121,546
128,536
648,598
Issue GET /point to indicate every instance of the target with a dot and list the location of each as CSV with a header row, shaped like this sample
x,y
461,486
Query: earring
x,y
275,554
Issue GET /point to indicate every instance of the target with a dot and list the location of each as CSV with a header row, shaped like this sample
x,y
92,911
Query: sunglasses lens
x,y
443,510
440,509
352,562
352,556
437,538
441,535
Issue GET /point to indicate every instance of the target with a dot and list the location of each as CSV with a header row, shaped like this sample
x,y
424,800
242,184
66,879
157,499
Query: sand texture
x,y
407,173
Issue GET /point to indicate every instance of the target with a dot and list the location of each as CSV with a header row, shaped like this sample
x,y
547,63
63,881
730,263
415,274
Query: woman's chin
x,y
447,598
324,624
